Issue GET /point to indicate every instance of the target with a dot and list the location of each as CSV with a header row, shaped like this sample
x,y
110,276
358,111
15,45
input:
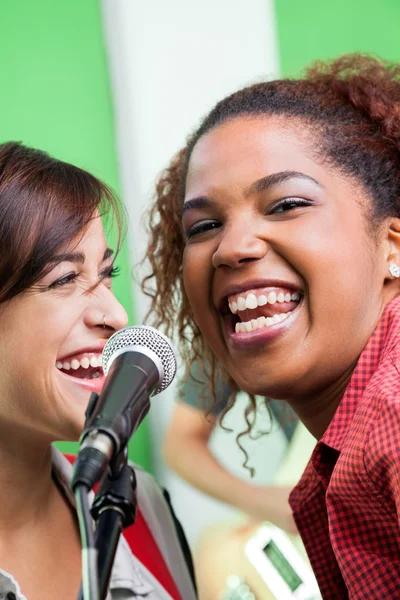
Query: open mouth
x,y
85,366
260,308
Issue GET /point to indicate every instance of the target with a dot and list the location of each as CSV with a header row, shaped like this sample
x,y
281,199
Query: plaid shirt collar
x,y
385,336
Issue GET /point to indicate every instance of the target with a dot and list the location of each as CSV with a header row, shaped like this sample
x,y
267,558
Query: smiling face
x,y
285,279
52,337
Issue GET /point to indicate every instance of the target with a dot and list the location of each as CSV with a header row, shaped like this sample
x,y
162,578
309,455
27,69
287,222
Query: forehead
x,y
245,149
90,240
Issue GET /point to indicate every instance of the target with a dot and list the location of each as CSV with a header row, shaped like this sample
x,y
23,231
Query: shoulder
x,y
155,506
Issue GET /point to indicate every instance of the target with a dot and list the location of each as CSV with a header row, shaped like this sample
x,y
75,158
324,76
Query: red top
x,y
144,547
347,503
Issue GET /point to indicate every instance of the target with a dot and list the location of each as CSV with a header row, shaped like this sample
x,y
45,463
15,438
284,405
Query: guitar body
x,y
220,554
221,558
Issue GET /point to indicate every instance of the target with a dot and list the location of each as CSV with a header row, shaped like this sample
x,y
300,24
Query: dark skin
x,y
263,213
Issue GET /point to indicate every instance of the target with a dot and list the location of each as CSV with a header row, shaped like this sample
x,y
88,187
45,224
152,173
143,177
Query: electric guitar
x,y
252,562
242,561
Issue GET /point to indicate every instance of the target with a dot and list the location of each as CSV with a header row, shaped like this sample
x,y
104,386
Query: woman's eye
x,y
288,204
202,227
71,277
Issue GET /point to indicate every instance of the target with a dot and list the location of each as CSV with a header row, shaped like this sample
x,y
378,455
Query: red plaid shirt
x,y
347,503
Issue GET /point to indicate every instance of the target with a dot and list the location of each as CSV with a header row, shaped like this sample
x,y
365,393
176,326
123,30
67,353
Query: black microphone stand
x,y
114,509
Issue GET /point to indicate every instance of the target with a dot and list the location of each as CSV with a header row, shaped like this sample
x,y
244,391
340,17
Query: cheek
x,y
330,254
342,287
197,269
197,279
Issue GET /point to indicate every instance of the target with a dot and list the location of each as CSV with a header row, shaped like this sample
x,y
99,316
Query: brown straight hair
x,y
45,204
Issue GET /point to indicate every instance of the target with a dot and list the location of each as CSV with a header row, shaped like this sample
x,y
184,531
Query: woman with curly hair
x,y
275,250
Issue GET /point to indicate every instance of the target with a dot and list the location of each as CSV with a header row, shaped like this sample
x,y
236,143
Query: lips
x,y
267,291
255,335
259,310
84,365
91,385
83,368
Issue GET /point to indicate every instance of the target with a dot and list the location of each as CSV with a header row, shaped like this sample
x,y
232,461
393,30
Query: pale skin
x,y
261,206
39,404
186,444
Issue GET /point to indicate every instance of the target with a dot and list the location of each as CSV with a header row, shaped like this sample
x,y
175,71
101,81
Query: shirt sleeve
x,y
196,391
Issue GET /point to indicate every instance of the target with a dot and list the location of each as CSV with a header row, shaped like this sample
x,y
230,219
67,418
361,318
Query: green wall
x,y
55,96
314,29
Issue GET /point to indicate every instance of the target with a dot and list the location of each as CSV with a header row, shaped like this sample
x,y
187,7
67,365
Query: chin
x,y
71,430
71,420
258,384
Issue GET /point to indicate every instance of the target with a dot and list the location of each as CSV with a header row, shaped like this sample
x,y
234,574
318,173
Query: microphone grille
x,y
149,338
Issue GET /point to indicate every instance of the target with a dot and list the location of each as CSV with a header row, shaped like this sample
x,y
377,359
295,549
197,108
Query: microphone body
x,y
134,373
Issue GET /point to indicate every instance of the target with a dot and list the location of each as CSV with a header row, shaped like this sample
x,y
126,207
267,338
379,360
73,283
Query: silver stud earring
x,y
394,270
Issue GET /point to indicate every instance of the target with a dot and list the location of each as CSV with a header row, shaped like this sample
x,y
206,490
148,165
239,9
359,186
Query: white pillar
x,y
170,62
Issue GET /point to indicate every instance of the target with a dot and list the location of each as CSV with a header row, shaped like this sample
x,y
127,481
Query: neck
x,y
26,482
318,409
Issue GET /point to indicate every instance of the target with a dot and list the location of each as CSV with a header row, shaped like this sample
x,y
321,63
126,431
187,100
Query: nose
x,y
105,311
238,244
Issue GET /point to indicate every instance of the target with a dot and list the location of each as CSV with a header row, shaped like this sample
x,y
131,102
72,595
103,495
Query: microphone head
x,y
148,338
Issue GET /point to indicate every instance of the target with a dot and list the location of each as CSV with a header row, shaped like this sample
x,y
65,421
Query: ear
x,y
392,248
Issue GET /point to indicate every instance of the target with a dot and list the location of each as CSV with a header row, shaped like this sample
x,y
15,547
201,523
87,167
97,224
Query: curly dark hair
x,y
352,107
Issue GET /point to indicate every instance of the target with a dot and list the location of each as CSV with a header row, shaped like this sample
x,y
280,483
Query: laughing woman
x,y
57,312
279,227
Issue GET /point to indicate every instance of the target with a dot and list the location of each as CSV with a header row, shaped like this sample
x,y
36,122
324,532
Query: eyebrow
x,y
261,185
200,202
266,183
77,257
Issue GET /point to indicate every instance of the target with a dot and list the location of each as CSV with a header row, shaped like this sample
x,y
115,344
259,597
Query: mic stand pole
x,y
114,509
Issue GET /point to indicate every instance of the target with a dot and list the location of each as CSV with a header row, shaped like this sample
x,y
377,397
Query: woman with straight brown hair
x,y
275,251
57,310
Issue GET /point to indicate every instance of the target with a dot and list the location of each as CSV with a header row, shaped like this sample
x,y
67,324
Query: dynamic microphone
x,y
138,363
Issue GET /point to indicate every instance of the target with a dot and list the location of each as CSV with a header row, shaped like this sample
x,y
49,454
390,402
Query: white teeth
x,y
260,323
94,362
233,307
85,363
241,303
251,301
